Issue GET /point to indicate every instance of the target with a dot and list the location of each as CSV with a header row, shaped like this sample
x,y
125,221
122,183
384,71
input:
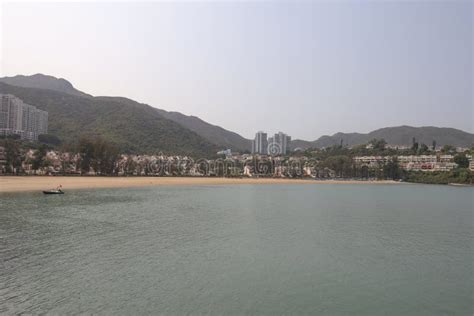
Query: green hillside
x,y
215,134
133,126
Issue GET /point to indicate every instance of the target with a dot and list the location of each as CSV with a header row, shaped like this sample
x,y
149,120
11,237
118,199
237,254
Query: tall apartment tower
x,y
17,117
279,144
260,143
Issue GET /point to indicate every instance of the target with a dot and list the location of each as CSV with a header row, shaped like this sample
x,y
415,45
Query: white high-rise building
x,y
260,143
17,117
279,144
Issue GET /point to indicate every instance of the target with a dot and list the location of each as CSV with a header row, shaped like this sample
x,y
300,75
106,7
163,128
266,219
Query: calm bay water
x,y
265,249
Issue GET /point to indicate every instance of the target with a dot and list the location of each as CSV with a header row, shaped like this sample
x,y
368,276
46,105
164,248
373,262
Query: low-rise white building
x,y
412,162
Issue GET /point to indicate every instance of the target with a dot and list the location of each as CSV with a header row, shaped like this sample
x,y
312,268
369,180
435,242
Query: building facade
x,y
279,144
17,117
260,143
411,163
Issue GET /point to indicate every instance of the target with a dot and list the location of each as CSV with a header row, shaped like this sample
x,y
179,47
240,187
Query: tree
x,y
11,136
423,149
433,145
98,154
129,167
341,164
364,171
461,160
105,156
39,157
378,144
86,153
448,149
359,150
49,139
65,164
12,156
391,170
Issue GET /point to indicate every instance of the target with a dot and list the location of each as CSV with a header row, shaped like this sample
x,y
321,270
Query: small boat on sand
x,y
59,191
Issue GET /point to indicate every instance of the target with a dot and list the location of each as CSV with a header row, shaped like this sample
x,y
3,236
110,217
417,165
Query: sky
x,y
307,68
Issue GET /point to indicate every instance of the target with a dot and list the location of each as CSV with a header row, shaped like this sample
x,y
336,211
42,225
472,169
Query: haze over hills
x,y
138,127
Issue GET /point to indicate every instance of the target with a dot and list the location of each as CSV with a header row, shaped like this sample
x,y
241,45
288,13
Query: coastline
x,y
10,184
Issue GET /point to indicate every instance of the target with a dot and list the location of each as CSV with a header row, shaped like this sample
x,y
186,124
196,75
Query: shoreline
x,y
11,184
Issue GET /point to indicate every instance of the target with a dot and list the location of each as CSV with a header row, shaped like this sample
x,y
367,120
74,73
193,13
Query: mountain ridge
x,y
41,81
208,134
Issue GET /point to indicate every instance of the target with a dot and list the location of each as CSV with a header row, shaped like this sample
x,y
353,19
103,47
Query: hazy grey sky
x,y
305,68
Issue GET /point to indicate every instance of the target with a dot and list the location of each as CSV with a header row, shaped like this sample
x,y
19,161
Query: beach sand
x,y
39,183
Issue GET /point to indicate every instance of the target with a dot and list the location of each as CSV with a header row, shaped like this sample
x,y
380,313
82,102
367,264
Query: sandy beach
x,y
38,183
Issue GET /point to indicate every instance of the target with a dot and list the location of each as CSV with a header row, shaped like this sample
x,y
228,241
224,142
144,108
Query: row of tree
x,y
99,155
96,154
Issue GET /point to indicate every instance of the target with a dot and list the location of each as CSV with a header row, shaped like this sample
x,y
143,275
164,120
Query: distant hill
x,y
41,81
215,134
399,135
134,126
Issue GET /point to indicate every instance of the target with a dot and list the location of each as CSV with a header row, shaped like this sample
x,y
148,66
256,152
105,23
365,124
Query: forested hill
x,y
133,126
213,134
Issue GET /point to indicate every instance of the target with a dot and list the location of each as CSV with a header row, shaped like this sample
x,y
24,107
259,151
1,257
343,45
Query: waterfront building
x,y
17,117
411,163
